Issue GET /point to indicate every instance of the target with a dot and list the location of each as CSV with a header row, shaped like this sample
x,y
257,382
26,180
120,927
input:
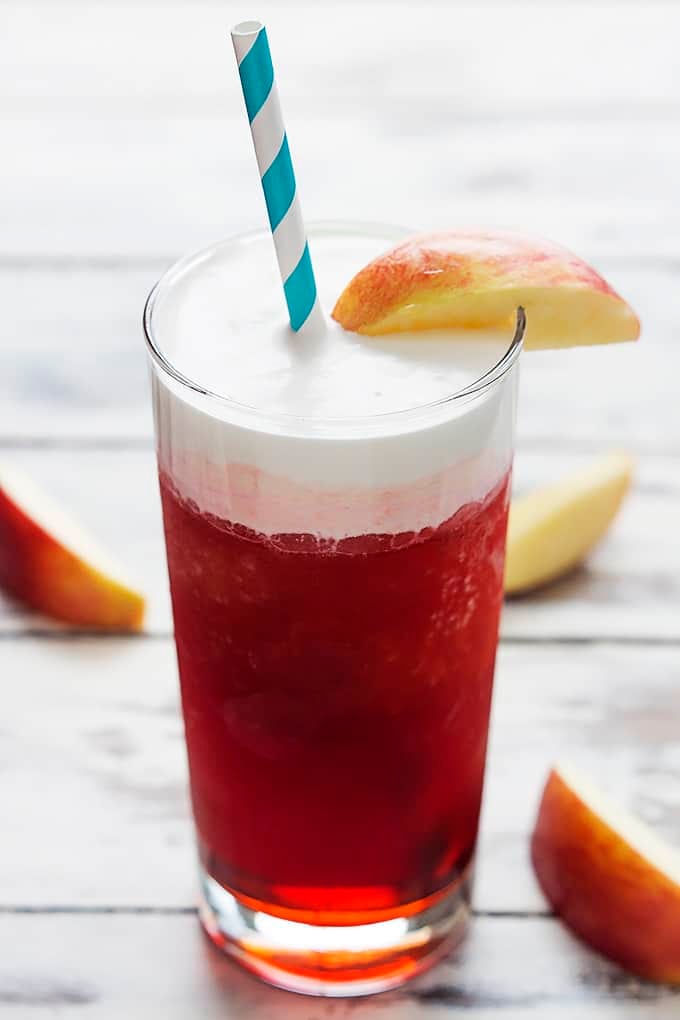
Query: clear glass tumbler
x,y
336,636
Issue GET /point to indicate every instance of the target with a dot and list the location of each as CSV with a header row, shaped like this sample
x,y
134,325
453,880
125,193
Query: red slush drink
x,y
335,517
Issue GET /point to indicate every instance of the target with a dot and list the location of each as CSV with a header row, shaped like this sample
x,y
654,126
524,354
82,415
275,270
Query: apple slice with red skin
x,y
613,881
49,563
467,280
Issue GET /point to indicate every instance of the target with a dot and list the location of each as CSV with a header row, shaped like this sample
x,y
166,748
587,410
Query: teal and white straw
x,y
276,170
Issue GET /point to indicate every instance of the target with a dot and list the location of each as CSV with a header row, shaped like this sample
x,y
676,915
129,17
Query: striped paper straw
x,y
276,170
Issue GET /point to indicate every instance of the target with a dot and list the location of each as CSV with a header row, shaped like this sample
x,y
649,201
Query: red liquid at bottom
x,y
336,701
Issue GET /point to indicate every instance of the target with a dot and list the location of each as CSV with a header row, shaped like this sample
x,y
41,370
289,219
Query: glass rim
x,y
261,417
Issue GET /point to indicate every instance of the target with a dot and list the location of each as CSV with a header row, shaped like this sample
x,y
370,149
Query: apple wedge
x,y
467,280
553,529
47,562
609,877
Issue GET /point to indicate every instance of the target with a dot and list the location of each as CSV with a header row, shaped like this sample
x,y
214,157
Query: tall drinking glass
x,y
336,587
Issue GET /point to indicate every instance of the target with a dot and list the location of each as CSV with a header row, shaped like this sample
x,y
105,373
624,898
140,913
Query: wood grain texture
x,y
630,588
125,145
107,967
73,363
97,784
134,186
126,135
508,59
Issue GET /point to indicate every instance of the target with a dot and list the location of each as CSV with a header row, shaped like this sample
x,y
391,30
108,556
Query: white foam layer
x,y
326,432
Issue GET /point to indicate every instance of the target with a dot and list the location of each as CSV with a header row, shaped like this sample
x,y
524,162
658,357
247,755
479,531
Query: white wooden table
x,y
123,145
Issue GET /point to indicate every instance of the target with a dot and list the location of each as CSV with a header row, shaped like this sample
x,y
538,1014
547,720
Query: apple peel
x,y
48,562
610,877
476,280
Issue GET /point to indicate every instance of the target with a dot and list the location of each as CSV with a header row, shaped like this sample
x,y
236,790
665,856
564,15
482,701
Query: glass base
x,y
333,959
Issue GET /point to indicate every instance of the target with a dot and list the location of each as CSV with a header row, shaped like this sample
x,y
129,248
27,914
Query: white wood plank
x,y
104,968
97,780
134,185
96,746
473,58
73,364
629,589
126,132
72,357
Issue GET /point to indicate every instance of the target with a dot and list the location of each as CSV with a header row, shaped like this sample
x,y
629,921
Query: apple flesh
x,y
553,529
468,280
47,562
613,881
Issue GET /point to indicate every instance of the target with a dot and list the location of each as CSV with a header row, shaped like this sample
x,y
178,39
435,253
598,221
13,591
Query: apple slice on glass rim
x,y
477,280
